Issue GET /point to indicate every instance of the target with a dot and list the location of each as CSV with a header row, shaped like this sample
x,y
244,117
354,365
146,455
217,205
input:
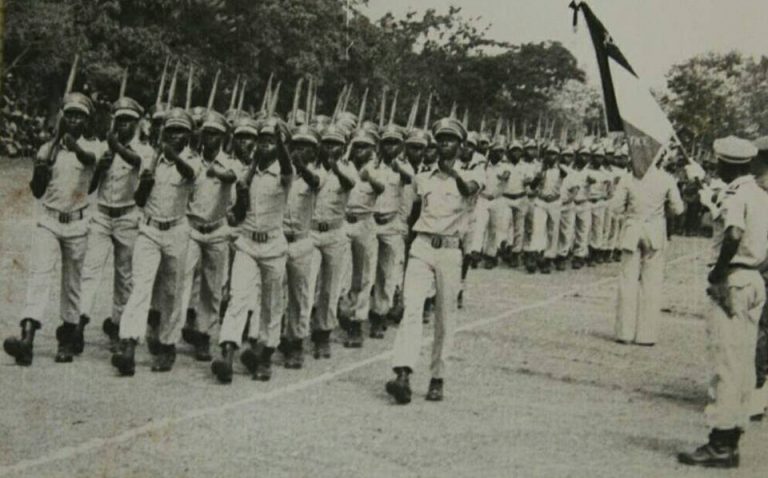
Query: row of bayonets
x,y
544,132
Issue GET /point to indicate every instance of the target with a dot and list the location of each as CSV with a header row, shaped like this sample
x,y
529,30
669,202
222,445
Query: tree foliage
x,y
444,53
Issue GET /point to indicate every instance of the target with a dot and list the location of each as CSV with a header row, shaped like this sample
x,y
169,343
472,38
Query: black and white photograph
x,y
383,238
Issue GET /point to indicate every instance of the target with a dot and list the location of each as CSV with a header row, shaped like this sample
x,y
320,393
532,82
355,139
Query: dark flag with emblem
x,y
629,105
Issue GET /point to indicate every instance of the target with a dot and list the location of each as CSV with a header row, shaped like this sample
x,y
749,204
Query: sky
x,y
653,34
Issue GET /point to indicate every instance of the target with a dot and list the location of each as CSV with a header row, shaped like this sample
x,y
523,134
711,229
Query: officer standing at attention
x,y
513,191
738,295
260,257
209,235
62,172
646,201
115,223
435,260
161,248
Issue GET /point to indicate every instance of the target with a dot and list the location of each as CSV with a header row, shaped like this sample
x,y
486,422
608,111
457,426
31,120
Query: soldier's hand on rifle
x,y
365,175
112,141
106,159
69,142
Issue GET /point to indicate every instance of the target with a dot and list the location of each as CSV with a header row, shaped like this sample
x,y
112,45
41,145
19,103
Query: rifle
x,y
97,175
41,175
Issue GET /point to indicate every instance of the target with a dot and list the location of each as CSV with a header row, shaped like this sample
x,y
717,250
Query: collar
x,y
741,181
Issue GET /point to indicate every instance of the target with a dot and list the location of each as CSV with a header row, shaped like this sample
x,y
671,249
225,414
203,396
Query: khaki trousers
x,y
52,240
517,223
480,227
157,255
332,245
258,270
428,268
639,296
499,217
597,232
582,228
360,267
567,230
205,272
546,227
389,267
300,294
732,350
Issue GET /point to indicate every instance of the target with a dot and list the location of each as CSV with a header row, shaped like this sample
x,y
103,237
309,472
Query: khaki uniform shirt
x,y
268,194
170,194
744,206
67,190
119,182
211,198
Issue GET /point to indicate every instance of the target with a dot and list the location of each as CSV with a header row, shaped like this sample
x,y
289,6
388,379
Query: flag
x,y
629,105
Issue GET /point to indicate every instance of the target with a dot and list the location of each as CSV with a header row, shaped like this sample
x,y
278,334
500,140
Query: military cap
x,y
300,117
198,113
597,150
178,118
552,148
363,136
347,120
269,125
734,150
158,111
126,106
515,144
609,150
499,143
334,134
417,136
530,143
78,102
450,126
392,131
484,138
568,151
304,133
373,128
215,120
247,126
623,150
472,138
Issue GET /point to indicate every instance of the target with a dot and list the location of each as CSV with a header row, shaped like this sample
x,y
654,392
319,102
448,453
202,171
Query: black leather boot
x,y
263,370
189,332
203,348
321,340
165,359
124,360
153,331
250,356
78,339
65,335
435,392
296,357
377,326
722,450
354,335
400,387
21,349
222,367
111,330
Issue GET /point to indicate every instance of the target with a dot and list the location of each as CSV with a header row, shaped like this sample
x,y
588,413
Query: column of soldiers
x,y
277,231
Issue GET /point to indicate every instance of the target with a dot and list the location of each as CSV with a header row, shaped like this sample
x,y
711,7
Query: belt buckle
x,y
64,218
163,226
114,213
260,237
322,226
437,242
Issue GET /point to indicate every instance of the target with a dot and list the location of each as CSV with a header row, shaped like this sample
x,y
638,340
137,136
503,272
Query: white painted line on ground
x,y
160,424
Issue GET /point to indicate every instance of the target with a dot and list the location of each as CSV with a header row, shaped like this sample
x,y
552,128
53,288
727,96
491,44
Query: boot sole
x,y
20,355
222,371
400,395
124,367
709,464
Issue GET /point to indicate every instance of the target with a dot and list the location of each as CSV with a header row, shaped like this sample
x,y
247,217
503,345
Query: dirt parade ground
x,y
537,387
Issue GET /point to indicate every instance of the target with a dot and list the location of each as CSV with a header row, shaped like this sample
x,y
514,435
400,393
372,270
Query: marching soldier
x,y
497,173
738,296
546,211
208,251
260,257
759,401
395,173
514,191
582,208
568,191
473,163
644,201
435,259
62,172
532,168
360,229
296,226
115,223
328,235
161,248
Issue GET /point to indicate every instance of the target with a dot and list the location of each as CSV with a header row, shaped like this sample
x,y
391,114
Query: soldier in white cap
x,y
395,173
62,172
208,251
296,225
737,295
579,178
568,192
361,230
598,193
497,173
435,258
161,248
115,223
645,201
260,257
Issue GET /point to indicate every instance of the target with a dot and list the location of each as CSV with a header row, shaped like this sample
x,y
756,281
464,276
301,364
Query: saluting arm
x,y
466,188
226,176
346,182
85,157
284,158
183,167
377,186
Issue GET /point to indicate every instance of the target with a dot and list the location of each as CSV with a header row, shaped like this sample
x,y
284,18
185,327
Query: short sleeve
x,y
734,210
